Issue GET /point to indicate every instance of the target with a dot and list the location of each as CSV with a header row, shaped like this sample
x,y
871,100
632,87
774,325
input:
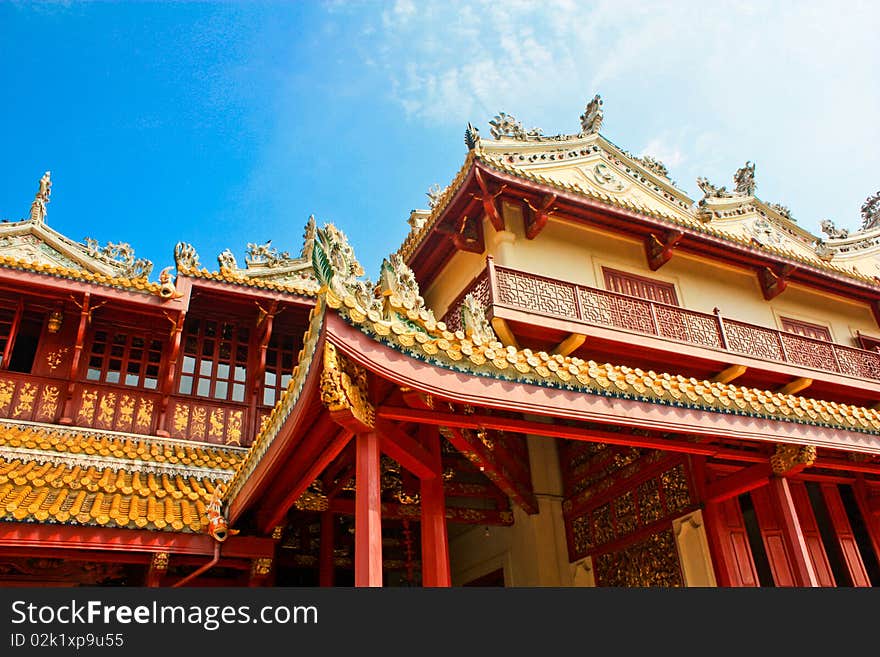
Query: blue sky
x,y
223,124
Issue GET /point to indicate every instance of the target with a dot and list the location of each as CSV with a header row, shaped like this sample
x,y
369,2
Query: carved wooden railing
x,y
518,290
120,408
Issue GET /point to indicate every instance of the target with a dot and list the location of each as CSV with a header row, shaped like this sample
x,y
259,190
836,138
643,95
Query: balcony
x,y
536,306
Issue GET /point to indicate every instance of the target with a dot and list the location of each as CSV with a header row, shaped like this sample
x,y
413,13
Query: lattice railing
x,y
547,296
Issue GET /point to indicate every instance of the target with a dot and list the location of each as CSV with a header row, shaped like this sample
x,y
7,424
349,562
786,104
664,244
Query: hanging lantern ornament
x,y
55,319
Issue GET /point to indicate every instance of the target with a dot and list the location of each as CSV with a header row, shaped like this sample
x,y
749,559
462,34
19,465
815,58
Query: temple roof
x,y
88,477
265,267
393,313
589,165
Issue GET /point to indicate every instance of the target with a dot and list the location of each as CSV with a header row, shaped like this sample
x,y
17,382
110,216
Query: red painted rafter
x,y
406,450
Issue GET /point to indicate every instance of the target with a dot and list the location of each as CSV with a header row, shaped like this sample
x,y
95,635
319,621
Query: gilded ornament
x,y
7,389
650,562
144,415
313,498
159,562
344,386
233,429
87,407
261,567
126,411
48,402
54,358
181,418
107,410
197,426
789,458
26,395
215,420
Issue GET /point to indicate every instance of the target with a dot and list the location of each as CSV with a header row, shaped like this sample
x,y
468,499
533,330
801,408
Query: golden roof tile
x,y
306,288
132,284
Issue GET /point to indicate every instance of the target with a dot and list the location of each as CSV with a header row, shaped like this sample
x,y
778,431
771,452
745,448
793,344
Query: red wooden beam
x,y
457,514
488,199
743,481
406,451
802,564
307,464
435,542
559,431
536,217
75,538
368,512
482,457
325,554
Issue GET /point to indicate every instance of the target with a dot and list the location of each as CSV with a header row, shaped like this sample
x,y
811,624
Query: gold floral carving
x,y
7,389
261,567
676,490
582,534
144,415
789,459
278,532
181,418
648,494
126,411
26,397
216,421
107,409
87,407
48,402
197,428
344,386
625,511
650,562
313,499
604,530
54,358
233,429
159,561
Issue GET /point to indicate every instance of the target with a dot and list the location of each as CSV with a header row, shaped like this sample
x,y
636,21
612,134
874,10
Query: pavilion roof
x,y
50,474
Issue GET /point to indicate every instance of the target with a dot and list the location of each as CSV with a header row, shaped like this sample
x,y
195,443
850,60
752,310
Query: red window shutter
x,y
639,286
806,329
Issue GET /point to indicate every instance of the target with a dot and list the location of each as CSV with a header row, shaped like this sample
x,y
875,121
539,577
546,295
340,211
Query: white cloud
x,y
705,86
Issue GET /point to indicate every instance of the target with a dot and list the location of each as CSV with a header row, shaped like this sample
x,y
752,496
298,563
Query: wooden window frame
x,y
609,273
789,325
191,376
281,347
8,328
152,344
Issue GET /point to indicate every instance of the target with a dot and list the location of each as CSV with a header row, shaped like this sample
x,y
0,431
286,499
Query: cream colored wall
x,y
570,252
533,551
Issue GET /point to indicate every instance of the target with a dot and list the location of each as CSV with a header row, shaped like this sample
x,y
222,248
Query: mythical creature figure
x,y
435,193
871,212
833,232
227,261
823,251
474,322
185,256
41,199
782,209
471,136
653,164
591,119
744,180
308,238
265,254
120,253
711,191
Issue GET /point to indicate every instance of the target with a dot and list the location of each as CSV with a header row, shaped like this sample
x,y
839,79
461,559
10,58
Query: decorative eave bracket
x,y
774,281
791,459
658,250
488,199
535,218
345,392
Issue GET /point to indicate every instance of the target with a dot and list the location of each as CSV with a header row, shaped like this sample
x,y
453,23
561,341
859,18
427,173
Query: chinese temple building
x,y
569,374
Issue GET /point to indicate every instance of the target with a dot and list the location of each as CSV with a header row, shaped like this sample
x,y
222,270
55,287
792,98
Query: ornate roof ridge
x,y
137,284
227,276
76,441
398,318
692,223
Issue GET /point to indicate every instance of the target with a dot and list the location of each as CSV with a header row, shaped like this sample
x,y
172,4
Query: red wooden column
x,y
367,512
802,565
325,555
435,544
